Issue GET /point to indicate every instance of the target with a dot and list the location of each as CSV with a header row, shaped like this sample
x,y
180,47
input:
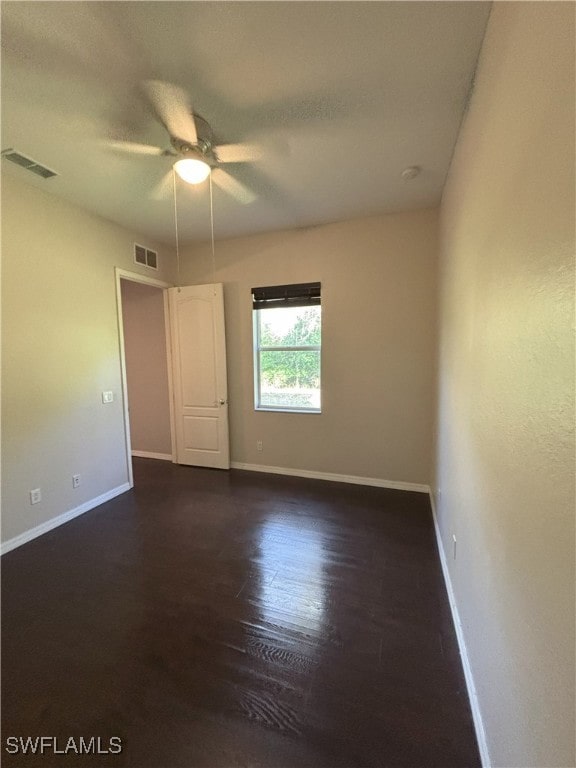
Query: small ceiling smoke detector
x,y
410,173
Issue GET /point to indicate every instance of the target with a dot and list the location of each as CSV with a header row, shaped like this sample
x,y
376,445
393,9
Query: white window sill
x,y
272,409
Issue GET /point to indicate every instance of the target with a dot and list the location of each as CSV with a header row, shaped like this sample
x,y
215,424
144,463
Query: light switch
x,y
107,397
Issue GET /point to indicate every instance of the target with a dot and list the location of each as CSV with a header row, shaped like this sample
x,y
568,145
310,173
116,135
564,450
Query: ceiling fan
x,y
192,143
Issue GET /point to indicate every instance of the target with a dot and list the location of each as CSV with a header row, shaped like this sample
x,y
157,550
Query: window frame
x,y
258,348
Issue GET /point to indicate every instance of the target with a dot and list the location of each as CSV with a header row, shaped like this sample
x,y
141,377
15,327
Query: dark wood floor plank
x,y
237,619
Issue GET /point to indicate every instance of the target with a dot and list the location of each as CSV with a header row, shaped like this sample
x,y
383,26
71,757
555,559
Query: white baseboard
x,y
395,485
151,455
468,676
33,533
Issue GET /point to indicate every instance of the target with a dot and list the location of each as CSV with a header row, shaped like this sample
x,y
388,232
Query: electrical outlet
x,y
259,446
454,544
107,397
75,481
35,496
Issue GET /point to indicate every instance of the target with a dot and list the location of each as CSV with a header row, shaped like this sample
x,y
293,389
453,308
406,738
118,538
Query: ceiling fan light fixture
x,y
192,170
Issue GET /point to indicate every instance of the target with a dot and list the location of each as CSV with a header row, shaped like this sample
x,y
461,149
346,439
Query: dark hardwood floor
x,y
218,619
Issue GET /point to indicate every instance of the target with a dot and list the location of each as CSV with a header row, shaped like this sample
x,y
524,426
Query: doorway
x,y
145,345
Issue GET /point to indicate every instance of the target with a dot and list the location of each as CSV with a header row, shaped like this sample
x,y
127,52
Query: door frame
x,y
135,277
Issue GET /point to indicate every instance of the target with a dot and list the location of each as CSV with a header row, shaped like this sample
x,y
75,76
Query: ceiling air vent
x,y
145,256
28,163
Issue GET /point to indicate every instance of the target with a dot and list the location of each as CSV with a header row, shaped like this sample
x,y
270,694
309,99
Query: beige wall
x,y
505,452
146,367
59,352
378,315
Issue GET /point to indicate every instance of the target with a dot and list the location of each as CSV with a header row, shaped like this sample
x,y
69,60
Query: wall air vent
x,y
28,163
145,256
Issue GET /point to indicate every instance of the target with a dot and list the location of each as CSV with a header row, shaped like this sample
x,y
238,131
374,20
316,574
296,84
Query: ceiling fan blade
x,y
163,188
133,148
174,108
238,153
233,187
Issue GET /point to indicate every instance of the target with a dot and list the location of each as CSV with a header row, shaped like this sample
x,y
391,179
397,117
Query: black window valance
x,y
298,295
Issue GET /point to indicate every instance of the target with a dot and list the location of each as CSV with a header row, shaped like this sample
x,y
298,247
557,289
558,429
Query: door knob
x,y
222,402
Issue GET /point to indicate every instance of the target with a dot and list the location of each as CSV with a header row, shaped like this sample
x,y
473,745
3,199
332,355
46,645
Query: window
x,y
287,344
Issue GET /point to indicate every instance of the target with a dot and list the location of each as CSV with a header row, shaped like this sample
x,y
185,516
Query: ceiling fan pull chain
x,y
212,237
176,228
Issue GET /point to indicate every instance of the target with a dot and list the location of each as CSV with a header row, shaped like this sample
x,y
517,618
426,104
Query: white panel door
x,y
199,375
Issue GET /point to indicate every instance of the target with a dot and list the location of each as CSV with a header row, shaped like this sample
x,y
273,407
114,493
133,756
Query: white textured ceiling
x,y
341,95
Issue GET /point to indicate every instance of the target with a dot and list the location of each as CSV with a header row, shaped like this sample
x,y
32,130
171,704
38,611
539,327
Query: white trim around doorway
x,y
135,277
